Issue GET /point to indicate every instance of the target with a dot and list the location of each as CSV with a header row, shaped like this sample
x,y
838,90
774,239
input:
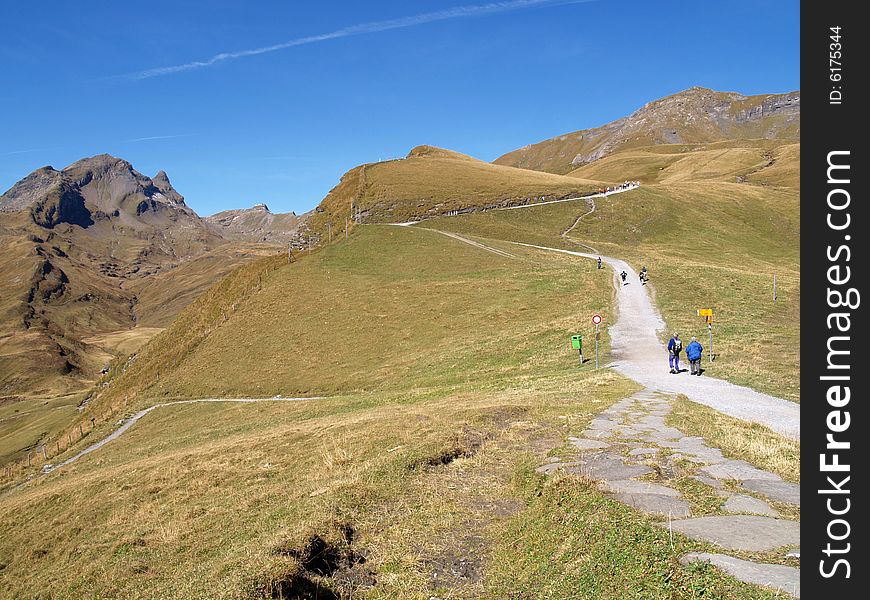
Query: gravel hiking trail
x,y
639,355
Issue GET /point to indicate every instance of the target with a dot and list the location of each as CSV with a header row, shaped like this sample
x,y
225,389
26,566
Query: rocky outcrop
x,y
256,224
62,203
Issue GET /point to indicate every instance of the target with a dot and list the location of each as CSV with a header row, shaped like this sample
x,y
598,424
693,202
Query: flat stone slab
x,y
738,469
656,504
631,486
783,491
778,577
607,467
710,481
706,454
596,433
665,434
739,503
742,532
584,444
643,451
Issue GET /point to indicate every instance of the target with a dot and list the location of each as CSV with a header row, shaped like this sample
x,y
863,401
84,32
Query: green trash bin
x,y
577,342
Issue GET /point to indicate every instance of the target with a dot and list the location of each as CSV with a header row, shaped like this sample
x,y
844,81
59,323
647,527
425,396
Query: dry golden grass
x,y
433,181
122,343
175,508
416,484
785,169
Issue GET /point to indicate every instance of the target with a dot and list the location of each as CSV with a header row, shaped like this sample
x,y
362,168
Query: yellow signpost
x,y
707,313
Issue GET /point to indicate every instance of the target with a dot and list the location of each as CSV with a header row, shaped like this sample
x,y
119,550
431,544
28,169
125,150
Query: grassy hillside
x,y
387,489
447,377
393,308
161,297
766,162
40,399
432,181
707,245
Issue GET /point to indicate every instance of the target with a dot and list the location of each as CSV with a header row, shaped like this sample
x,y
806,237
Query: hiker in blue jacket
x,y
675,345
693,353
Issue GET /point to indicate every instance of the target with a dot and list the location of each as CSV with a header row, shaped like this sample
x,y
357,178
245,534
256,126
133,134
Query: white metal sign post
x,y
707,313
596,320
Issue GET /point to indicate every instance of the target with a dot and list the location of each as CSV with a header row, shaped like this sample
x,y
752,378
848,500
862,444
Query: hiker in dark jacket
x,y
675,345
623,275
693,353
599,262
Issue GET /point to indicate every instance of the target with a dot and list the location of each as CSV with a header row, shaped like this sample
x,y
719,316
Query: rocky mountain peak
x,y
161,179
93,188
161,182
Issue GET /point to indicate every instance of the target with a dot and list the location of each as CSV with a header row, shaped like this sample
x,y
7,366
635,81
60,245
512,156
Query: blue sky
x,y
358,81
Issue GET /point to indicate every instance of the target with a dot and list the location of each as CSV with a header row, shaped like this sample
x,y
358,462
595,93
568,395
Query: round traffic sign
x,y
596,318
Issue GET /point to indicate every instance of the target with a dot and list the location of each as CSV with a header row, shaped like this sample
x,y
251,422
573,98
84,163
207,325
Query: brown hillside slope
x,y
432,181
696,115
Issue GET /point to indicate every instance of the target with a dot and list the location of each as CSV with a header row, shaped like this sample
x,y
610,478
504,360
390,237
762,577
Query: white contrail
x,y
373,27
157,137
24,151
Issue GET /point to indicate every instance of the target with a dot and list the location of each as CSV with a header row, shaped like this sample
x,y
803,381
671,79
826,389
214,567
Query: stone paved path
x,y
639,459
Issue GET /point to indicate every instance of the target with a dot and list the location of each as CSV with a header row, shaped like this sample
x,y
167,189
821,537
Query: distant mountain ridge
x,y
257,223
95,248
696,115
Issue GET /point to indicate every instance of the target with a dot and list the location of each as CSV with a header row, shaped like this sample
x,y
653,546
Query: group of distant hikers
x,y
622,186
675,344
643,275
693,353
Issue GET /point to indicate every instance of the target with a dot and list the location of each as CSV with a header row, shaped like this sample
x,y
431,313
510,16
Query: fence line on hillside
x,y
39,456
